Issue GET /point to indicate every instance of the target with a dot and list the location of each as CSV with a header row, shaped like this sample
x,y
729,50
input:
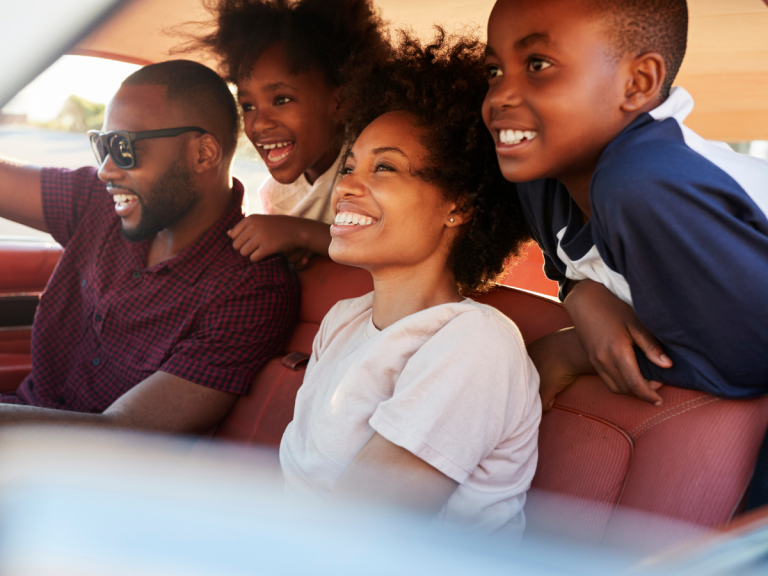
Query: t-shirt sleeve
x,y
236,336
686,244
66,196
459,394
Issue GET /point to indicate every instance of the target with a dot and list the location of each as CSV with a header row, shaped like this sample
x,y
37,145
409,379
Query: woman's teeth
x,y
124,198
352,219
516,136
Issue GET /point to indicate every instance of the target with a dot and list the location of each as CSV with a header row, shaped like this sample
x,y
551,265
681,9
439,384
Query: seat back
x,y
262,415
599,453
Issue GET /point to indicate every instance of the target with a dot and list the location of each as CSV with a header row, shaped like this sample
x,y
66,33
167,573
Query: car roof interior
x,y
725,69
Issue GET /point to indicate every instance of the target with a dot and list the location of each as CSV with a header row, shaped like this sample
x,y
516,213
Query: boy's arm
x,y
260,235
20,194
608,330
693,248
560,360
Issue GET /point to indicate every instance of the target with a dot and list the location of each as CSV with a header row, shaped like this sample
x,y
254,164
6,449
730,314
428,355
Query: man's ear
x,y
647,73
206,153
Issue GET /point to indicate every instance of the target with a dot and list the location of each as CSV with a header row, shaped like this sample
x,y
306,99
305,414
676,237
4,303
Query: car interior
x,y
689,461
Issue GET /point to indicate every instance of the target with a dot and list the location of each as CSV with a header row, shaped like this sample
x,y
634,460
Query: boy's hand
x,y
608,328
560,359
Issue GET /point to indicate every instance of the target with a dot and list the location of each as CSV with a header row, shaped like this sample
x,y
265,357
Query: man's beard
x,y
169,200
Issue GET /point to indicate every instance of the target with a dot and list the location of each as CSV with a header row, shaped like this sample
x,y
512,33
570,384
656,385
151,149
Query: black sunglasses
x,y
119,143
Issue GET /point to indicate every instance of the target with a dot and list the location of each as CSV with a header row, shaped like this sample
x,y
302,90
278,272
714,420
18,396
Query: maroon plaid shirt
x,y
106,321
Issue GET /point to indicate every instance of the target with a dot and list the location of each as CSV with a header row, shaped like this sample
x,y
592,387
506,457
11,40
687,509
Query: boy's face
x,y
291,119
555,89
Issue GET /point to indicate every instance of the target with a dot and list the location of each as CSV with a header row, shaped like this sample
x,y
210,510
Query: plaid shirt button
x,y
136,274
83,283
96,361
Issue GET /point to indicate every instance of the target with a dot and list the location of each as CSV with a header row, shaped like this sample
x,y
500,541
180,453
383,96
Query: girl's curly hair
x,y
318,34
442,85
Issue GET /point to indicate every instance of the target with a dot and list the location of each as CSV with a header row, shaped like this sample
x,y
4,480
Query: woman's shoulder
x,y
344,311
465,327
478,320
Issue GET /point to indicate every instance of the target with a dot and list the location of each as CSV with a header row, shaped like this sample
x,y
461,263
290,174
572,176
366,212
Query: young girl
x,y
415,394
286,59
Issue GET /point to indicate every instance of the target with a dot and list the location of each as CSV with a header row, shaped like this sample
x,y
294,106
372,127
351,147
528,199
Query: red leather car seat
x,y
263,414
604,454
690,460
26,267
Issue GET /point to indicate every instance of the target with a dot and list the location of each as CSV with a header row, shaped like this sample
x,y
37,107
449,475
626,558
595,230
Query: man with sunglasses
x,y
151,319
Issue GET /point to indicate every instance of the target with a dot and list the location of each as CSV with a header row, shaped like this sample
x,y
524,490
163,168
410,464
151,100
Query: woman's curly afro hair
x,y
442,85
319,34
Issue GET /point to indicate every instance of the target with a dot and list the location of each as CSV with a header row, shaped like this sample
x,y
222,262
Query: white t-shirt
x,y
452,384
302,199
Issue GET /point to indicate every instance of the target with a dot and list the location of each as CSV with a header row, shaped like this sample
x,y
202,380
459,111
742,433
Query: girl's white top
x,y
302,199
452,384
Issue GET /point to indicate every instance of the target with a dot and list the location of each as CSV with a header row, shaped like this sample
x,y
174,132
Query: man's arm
x,y
161,403
20,195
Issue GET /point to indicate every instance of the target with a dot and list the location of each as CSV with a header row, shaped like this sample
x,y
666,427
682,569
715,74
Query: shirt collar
x,y
677,106
191,262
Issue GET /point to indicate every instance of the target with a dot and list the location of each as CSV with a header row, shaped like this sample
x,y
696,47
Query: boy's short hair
x,y
640,26
321,34
197,89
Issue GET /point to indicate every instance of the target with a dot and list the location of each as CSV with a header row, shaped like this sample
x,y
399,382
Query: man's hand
x,y
261,235
608,328
560,360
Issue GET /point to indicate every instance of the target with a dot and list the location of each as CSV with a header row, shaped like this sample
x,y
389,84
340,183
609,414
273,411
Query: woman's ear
x,y
647,73
458,215
207,153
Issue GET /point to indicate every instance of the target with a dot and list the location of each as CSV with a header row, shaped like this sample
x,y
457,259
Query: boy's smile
x,y
555,90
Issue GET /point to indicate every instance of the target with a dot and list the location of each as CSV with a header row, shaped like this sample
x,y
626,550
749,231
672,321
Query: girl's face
x,y
290,118
386,216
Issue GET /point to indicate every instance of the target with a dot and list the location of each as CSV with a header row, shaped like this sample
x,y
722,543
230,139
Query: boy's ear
x,y
647,73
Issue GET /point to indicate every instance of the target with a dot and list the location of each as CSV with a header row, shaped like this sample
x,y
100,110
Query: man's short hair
x,y
200,91
640,26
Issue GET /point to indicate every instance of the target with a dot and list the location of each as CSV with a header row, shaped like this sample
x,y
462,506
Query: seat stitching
x,y
651,422
662,413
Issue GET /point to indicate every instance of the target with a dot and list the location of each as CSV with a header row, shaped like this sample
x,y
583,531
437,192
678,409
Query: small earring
x,y
450,219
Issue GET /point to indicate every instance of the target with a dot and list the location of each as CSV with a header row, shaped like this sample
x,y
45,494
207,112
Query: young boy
x,y
287,60
650,229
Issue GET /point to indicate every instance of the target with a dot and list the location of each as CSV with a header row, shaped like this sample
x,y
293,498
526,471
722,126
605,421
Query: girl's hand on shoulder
x,y
560,360
261,235
608,328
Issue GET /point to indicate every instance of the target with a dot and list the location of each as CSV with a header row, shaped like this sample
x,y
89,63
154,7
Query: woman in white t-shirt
x,y
414,394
